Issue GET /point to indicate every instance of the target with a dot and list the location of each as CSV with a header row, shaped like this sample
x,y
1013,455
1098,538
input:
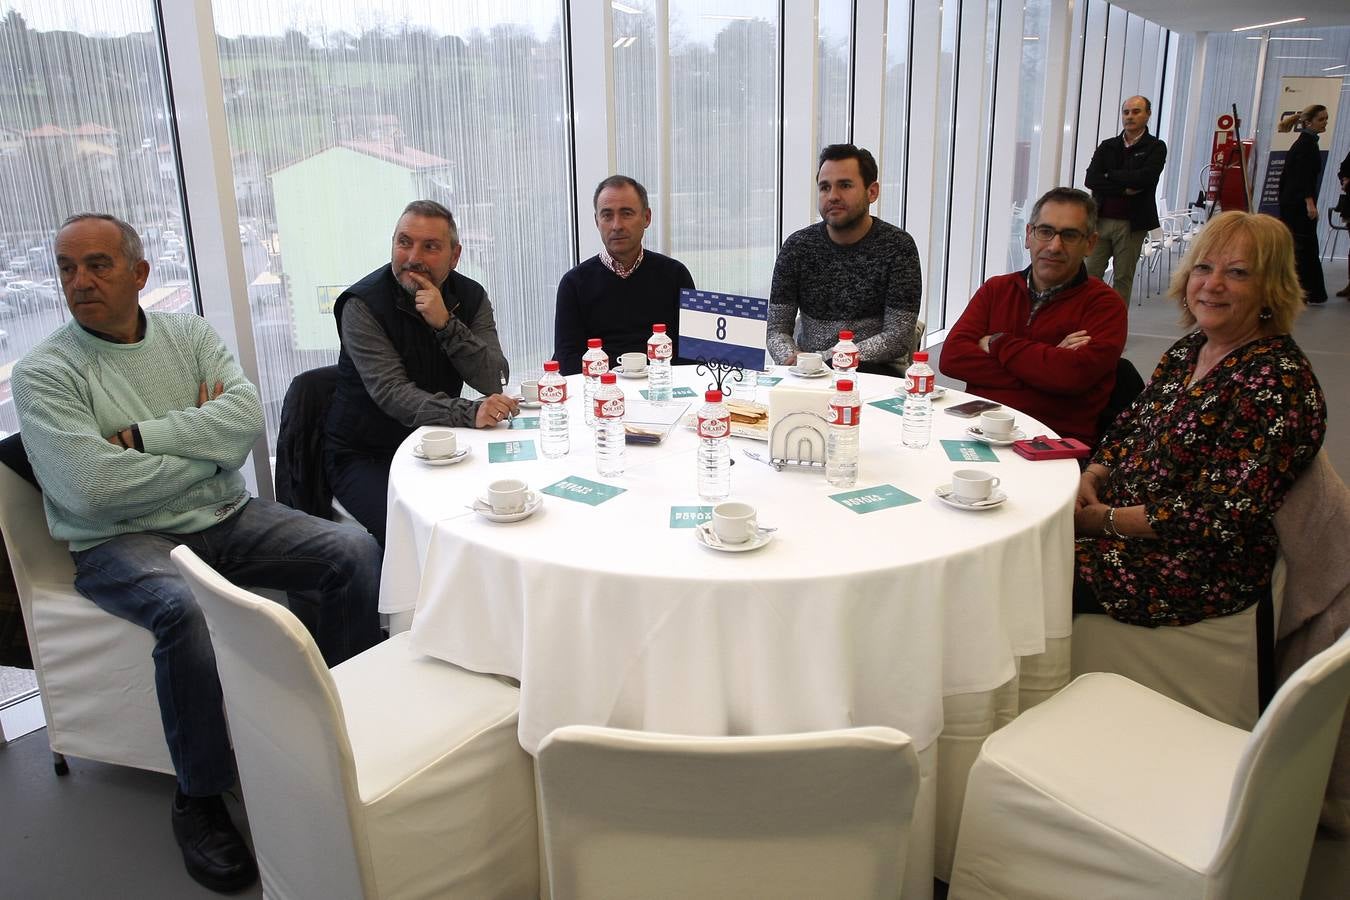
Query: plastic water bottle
x,y
841,446
714,448
594,363
918,423
844,358
659,351
554,437
609,434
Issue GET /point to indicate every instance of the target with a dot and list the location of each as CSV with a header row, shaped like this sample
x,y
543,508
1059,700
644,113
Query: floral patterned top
x,y
1210,462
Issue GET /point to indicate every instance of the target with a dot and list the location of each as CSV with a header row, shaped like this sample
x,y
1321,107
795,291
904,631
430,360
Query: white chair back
x,y
33,555
1277,790
632,814
290,741
94,670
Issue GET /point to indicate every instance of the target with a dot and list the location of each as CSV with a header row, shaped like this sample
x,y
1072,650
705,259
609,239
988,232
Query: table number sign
x,y
521,423
866,500
583,490
510,451
969,451
723,328
689,516
891,405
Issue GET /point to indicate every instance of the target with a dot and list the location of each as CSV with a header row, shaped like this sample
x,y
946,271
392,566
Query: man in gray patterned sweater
x,y
849,271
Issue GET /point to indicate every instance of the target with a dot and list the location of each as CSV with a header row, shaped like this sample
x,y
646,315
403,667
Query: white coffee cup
x,y
734,522
810,362
997,423
507,495
633,362
529,391
973,485
438,444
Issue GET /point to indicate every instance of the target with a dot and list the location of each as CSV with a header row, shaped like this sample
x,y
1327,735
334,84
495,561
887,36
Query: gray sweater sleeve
x,y
475,349
387,381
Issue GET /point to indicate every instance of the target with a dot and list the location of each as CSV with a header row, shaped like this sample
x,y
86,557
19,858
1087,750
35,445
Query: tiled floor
x,y
103,831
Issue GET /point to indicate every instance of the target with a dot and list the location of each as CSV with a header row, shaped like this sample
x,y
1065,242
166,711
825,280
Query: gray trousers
x,y
1115,239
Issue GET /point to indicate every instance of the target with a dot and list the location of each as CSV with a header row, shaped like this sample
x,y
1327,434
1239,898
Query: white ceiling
x,y
1224,15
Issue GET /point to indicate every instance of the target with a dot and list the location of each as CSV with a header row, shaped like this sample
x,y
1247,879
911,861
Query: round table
x,y
608,615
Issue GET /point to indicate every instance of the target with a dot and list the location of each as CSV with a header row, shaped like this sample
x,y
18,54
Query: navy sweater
x,y
594,302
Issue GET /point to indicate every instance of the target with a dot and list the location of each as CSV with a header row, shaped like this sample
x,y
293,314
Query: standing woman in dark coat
x,y
1300,183
1344,206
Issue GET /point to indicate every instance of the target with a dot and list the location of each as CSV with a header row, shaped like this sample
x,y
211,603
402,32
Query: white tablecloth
x,y
608,616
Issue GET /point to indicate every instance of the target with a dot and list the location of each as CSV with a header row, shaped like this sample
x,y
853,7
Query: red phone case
x,y
1051,448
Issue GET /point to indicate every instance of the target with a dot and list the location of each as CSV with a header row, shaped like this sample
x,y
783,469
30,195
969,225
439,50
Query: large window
x,y
340,115
834,79
84,127
1030,99
717,122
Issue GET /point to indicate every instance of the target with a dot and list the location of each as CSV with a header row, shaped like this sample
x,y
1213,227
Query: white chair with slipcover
x,y
1212,666
94,670
392,775
636,814
1111,789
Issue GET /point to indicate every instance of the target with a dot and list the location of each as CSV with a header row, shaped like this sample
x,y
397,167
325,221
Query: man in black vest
x,y
413,333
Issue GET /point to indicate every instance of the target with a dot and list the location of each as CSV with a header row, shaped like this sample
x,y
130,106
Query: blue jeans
x,y
264,545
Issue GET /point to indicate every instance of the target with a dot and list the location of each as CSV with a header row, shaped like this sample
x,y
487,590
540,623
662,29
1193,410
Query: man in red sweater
x,y
1045,340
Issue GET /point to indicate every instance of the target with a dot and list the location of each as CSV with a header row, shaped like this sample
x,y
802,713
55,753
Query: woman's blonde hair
x,y
1310,112
1270,255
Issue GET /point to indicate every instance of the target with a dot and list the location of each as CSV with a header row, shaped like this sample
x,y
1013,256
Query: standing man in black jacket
x,y
1123,177
413,333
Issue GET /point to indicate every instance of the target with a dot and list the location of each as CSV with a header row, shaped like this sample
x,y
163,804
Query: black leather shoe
x,y
213,849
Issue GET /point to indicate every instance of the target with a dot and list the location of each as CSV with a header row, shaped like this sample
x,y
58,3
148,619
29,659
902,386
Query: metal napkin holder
x,y
798,441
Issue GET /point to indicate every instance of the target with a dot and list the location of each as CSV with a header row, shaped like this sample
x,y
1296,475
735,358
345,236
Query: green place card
x,y
583,490
969,451
510,451
891,405
768,380
689,516
520,423
866,500
675,394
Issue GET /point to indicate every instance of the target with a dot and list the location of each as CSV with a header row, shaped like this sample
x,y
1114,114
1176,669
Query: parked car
x,y
21,295
48,293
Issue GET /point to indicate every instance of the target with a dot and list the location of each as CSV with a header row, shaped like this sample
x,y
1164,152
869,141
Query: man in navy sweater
x,y
620,293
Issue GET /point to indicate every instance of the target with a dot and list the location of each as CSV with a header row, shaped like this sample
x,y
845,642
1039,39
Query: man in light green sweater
x,y
136,425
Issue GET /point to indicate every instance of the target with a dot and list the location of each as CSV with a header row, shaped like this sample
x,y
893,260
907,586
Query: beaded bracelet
x,y
1109,526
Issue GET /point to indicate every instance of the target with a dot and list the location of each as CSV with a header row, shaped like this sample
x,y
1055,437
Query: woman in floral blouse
x,y
1175,513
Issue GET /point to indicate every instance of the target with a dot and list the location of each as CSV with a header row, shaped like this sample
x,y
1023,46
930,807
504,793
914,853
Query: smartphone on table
x,y
971,408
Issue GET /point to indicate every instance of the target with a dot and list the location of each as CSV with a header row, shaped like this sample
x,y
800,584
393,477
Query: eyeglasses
x,y
1068,236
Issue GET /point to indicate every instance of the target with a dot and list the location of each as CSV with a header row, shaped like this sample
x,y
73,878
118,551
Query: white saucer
x,y
618,370
1015,435
945,493
705,535
457,456
530,404
532,503
818,373
937,393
